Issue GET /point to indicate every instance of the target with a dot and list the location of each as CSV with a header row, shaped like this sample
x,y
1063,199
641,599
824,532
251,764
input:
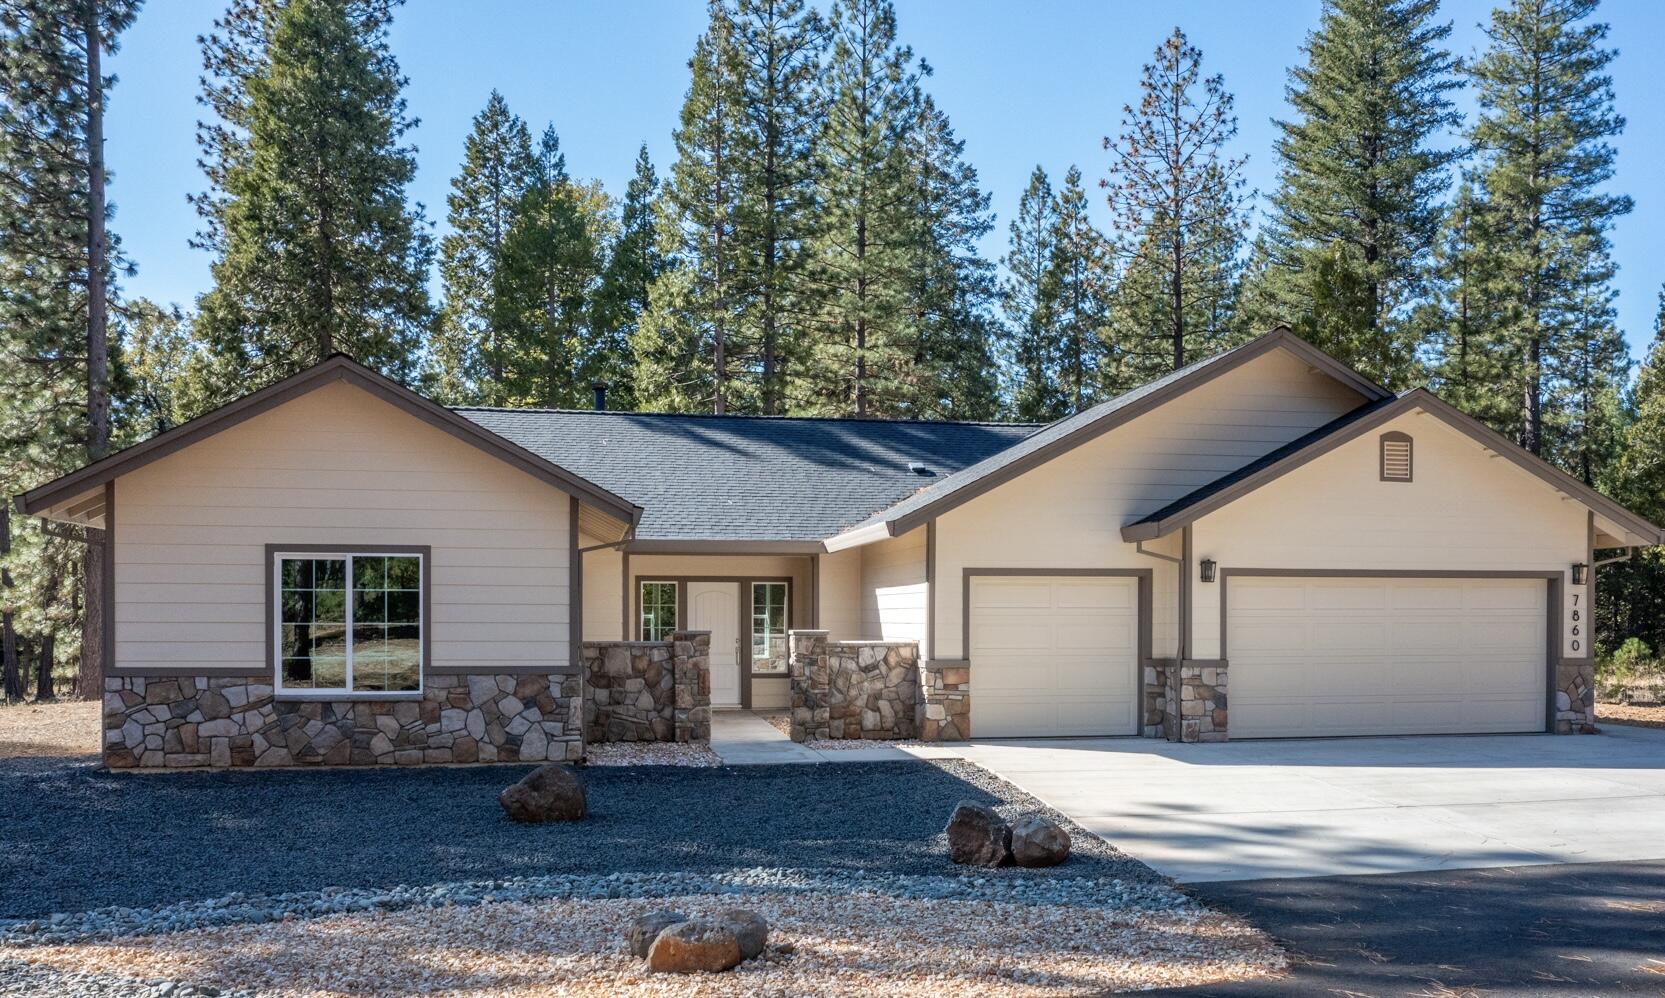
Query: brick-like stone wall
x,y
1575,698
945,700
1155,698
648,691
184,721
1194,703
852,689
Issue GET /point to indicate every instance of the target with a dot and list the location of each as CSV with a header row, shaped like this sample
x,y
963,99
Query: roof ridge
x,y
746,416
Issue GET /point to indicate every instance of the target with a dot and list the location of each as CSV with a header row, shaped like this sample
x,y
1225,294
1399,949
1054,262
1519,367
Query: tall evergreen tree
x,y
684,346
1175,199
862,351
1361,185
1464,320
1035,395
57,268
498,166
1630,596
318,250
633,264
1546,115
775,52
1074,289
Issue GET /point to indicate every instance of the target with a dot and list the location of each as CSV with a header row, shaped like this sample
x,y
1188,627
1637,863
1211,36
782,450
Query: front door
x,y
715,607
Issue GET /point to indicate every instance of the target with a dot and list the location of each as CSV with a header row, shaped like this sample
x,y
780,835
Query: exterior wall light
x,y
1207,566
1580,574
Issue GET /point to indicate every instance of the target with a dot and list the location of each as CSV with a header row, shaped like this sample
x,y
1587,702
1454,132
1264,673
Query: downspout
x,y
1139,548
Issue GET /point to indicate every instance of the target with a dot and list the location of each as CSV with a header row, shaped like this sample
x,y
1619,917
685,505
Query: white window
x,y
768,627
349,622
658,602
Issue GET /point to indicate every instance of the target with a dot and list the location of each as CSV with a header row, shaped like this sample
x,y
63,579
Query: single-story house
x,y
336,569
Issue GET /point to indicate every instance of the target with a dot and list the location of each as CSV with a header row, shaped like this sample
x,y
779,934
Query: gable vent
x,y
1396,457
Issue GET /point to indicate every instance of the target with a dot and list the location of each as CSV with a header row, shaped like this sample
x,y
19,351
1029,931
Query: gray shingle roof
x,y
748,477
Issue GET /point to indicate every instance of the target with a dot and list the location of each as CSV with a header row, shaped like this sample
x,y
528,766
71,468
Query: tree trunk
x,y
90,677
43,670
11,679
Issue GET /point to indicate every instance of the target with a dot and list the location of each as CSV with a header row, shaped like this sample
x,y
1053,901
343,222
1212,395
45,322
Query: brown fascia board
x,y
1281,336
337,368
1417,398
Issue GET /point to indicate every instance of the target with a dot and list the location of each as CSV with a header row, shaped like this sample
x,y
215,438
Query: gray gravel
x,y
32,981
81,840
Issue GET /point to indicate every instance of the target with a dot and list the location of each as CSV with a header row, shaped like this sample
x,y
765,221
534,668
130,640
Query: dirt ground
x,y
48,730
1620,713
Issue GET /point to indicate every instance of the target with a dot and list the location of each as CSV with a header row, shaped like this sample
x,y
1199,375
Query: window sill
x,y
299,696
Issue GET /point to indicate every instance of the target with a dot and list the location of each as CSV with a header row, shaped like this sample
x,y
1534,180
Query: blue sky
x,y
1038,82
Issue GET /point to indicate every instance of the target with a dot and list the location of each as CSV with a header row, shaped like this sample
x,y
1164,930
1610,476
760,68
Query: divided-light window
x,y
349,623
658,603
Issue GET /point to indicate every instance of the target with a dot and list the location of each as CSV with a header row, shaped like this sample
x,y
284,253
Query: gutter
x,y
859,536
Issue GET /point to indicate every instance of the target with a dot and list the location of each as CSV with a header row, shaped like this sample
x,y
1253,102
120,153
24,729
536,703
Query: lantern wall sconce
x,y
1580,574
1207,565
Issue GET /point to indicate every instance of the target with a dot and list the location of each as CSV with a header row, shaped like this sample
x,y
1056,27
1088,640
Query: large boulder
x,y
748,927
548,793
693,946
977,836
641,932
1039,841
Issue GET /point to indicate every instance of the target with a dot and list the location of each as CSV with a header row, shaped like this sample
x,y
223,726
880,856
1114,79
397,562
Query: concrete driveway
x,y
1327,807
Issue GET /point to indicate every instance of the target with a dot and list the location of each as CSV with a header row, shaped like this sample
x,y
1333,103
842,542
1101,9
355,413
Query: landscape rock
x,y
748,927
641,932
1039,841
549,793
693,946
977,836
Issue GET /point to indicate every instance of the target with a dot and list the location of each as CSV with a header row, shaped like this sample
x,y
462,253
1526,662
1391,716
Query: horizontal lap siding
x,y
337,466
1068,513
839,591
893,589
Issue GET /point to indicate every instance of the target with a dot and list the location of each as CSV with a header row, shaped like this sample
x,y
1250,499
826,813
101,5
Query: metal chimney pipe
x,y
600,389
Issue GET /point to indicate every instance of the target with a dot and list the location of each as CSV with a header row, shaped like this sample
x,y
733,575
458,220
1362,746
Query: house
x,y
335,569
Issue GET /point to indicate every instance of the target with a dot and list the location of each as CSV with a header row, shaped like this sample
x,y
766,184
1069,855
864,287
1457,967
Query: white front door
x,y
715,607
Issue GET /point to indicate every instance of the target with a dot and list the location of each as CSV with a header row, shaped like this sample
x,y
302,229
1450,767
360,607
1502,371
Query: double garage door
x,y
1385,656
1309,656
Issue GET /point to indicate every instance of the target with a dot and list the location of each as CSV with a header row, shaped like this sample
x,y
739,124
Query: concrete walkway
x,y
742,738
1348,806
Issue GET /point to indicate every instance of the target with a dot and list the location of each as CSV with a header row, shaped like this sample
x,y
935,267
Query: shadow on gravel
x,y
80,838
1529,930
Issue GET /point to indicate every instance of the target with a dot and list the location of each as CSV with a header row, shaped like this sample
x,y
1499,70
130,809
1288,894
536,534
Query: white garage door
x,y
1054,656
1365,656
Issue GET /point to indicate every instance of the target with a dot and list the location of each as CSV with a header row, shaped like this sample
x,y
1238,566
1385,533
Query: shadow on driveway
x,y
1596,929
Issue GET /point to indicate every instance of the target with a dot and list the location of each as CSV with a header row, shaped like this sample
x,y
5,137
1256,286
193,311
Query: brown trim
x,y
931,589
815,590
108,652
1187,597
1143,585
724,547
1396,437
742,626
1554,600
1230,361
270,562
336,368
1418,398
575,585
625,604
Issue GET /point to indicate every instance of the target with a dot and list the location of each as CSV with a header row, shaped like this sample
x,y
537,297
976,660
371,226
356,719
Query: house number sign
x,y
1575,630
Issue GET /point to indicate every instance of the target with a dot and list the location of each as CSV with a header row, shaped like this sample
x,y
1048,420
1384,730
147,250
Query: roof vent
x,y
918,468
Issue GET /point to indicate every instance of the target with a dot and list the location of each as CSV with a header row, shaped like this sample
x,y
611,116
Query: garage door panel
x,y
1054,656
1393,656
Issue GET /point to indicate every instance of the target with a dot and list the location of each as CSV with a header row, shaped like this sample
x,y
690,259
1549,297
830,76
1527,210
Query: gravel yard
x,y
1624,713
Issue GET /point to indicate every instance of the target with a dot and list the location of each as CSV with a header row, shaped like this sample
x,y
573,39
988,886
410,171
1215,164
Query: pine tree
x,y
1546,115
1360,184
862,352
1175,199
497,167
1074,289
548,274
684,345
1631,595
1034,393
774,58
318,250
633,264
1470,367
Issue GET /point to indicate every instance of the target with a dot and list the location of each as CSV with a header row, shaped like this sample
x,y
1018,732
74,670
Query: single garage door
x,y
1054,656
1374,656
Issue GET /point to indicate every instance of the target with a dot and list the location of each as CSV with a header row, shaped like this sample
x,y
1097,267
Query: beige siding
x,y
839,593
603,592
337,466
1068,513
893,589
1463,511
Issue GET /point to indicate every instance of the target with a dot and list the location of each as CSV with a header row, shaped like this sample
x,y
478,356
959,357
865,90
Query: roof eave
x,y
870,534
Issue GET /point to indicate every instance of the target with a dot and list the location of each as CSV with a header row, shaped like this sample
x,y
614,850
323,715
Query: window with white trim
x,y
658,603
768,627
348,622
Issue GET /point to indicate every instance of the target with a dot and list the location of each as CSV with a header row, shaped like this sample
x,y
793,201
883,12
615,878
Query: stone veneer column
x,y
629,692
1575,698
691,664
945,701
1194,709
1155,698
806,670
